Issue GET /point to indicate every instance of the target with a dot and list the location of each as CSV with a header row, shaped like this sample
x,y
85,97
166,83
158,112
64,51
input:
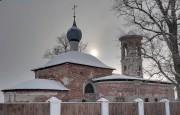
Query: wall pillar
x,y
140,106
55,106
104,106
167,109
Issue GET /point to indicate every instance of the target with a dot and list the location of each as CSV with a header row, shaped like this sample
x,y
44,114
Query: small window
x,y
89,88
125,49
125,45
125,68
146,100
83,100
139,68
155,100
125,52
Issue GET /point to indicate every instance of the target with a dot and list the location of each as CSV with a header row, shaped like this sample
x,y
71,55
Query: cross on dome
x,y
74,8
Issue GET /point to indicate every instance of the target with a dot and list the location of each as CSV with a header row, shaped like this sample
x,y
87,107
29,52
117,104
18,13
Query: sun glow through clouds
x,y
94,52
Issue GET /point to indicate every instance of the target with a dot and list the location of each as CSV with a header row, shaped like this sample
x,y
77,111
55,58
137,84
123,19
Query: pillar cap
x,y
53,99
164,100
138,100
102,100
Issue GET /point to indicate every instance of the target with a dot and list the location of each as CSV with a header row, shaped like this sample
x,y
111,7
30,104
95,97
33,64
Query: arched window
x,y
125,68
125,49
139,67
89,88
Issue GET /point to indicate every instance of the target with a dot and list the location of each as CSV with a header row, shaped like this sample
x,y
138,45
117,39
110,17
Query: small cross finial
x,y
74,8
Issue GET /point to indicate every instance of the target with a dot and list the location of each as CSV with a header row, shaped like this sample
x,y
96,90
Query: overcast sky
x,y
29,27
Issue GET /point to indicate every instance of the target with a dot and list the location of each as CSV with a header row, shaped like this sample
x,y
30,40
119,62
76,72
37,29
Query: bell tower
x,y
131,60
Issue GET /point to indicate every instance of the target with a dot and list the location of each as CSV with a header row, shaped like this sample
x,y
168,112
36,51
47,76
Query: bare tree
x,y
158,22
62,46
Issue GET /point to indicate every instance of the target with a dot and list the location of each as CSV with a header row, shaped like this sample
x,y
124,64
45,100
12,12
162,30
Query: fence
x,y
102,107
25,109
80,109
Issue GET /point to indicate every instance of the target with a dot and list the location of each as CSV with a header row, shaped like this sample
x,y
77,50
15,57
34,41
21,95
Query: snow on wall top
x,y
37,84
115,76
123,77
77,58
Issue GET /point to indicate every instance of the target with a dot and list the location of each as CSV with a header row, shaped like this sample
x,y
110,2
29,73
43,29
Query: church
x,y
74,76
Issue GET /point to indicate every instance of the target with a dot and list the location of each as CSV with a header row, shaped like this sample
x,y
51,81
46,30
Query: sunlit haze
x,y
94,52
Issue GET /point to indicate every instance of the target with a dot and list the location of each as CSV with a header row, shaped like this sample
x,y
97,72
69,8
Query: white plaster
x,y
26,97
66,80
167,109
102,100
1,98
91,75
55,106
175,93
104,106
74,45
140,106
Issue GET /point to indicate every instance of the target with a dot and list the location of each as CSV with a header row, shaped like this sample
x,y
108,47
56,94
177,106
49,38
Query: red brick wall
x,y
131,90
76,75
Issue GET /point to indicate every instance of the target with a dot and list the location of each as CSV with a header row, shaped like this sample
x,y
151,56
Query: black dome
x,y
74,33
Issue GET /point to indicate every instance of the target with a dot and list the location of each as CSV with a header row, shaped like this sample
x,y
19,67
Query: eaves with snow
x,y
38,84
75,57
119,77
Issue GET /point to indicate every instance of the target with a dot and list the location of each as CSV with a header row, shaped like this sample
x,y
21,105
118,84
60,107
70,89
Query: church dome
x,y
74,33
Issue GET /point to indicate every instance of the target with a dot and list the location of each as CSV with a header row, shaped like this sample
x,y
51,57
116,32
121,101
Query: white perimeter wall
x,y
1,98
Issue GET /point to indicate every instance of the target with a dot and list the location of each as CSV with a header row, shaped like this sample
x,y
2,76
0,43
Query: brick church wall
x,y
130,90
74,77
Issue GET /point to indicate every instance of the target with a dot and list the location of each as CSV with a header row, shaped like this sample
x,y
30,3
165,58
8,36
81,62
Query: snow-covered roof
x,y
38,84
77,58
116,77
131,32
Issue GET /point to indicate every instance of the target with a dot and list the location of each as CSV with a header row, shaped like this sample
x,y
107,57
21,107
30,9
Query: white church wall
x,y
27,97
1,98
